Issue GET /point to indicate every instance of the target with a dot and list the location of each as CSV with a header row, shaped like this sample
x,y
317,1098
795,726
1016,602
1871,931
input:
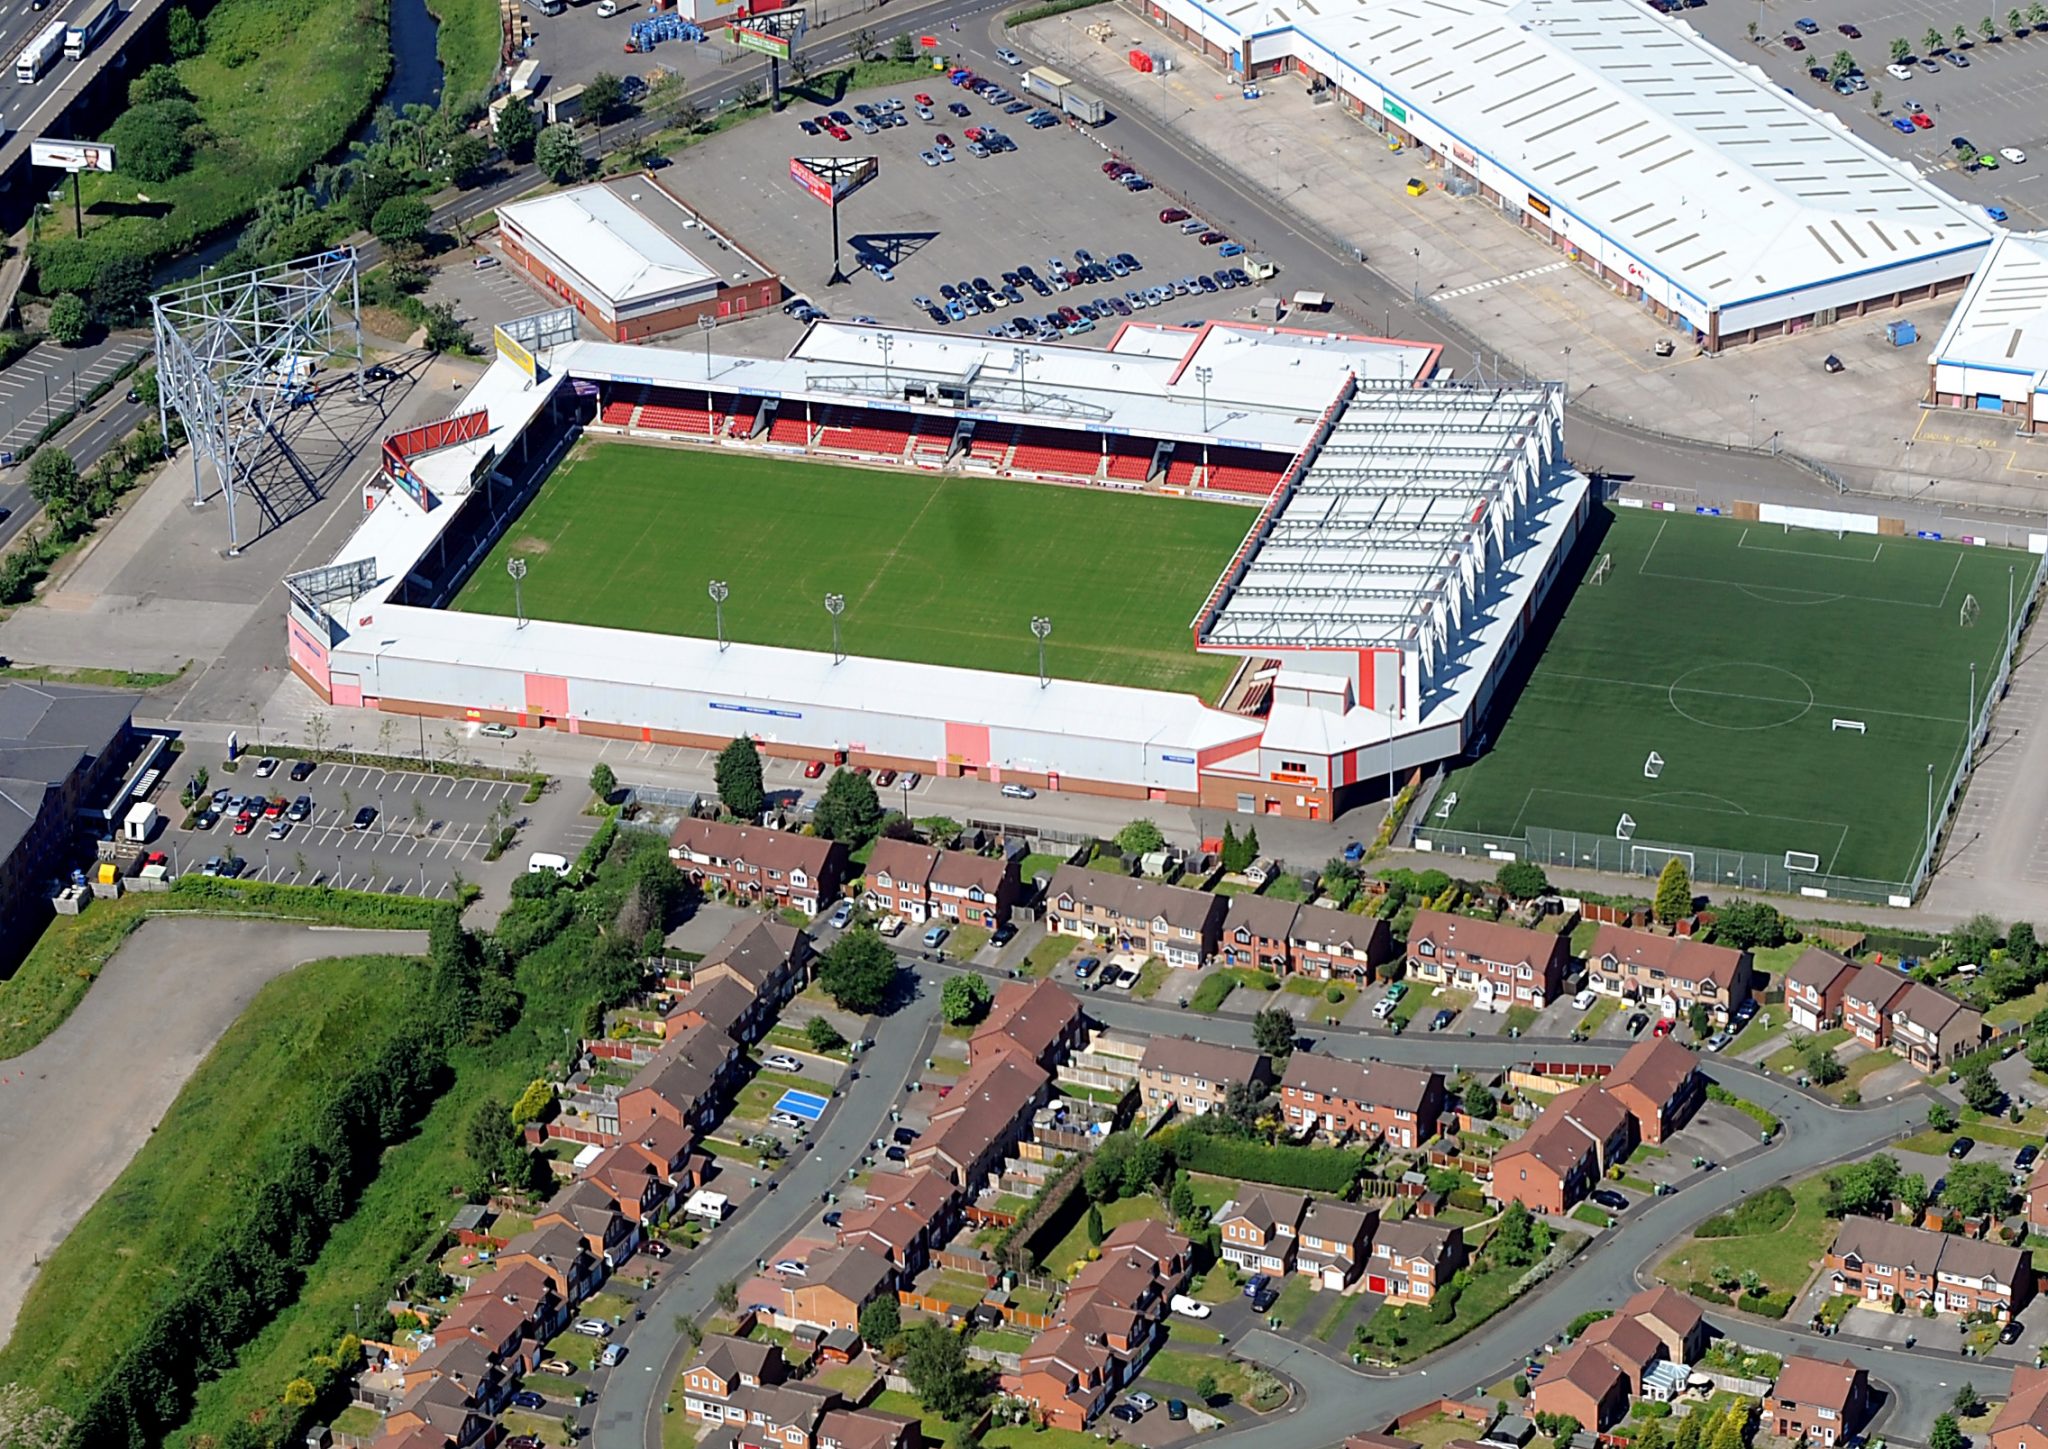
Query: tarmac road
x,y
630,1413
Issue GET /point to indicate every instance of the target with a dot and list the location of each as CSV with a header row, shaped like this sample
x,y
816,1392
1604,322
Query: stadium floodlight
x,y
517,568
718,596
887,342
707,324
236,355
1041,626
835,605
1202,375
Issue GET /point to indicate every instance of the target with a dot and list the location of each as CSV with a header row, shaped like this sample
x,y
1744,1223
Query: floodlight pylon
x,y
232,360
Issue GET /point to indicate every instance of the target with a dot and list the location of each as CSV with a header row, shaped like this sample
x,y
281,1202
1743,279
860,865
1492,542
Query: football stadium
x,y
1267,570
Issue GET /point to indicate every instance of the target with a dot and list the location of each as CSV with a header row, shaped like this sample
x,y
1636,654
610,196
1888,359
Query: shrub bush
x,y
1314,1169
1770,1305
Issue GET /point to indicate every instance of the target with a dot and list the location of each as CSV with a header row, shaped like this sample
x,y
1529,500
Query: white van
x,y
542,860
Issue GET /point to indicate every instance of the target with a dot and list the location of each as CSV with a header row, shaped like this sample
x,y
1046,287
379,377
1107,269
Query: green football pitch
x,y
943,570
1796,687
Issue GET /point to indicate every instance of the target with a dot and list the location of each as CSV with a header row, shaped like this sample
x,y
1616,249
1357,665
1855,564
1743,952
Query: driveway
x,y
79,1105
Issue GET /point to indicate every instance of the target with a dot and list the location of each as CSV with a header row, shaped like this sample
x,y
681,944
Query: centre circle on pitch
x,y
1735,695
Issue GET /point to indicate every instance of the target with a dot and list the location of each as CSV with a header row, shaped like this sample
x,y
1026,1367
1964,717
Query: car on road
x,y
1792,42
244,824
1899,72
782,1062
1923,121
610,1358
1008,56
1851,31
792,1266
265,768
1902,125
1957,59
302,771
1188,1307
1806,25
1929,64
1019,792
884,779
935,938
1962,1147
365,818
2013,154
591,1328
280,829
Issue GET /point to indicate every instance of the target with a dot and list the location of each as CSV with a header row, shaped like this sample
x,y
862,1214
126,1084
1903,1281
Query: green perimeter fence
x,y
1712,866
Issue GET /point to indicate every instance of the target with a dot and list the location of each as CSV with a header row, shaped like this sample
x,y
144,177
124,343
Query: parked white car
x,y
1188,1307
792,1267
592,1328
1584,999
783,1062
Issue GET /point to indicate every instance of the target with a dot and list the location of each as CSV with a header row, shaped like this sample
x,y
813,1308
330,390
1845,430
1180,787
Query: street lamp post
x,y
1202,376
887,342
517,568
835,605
1751,439
1041,626
1930,811
707,325
718,596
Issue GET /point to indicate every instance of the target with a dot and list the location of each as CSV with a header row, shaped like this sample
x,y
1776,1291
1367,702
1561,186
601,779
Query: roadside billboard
x,y
71,155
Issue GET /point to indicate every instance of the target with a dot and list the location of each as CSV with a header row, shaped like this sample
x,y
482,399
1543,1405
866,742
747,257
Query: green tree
x,y
964,1000
1968,1403
488,1135
1479,1102
120,290
849,811
1975,939
1514,1241
1823,1067
1340,879
1981,1092
1206,1387
558,154
881,1320
903,49
1941,1117
1674,892
823,1035
517,130
603,94
1522,880
2022,946
533,1103
469,155
1689,1432
1096,1231
158,83
1273,1032
1843,64
935,1361
1946,1433
1750,926
2037,14
70,320
1239,851
1182,1201
738,774
1977,1189
2015,20
1932,41
858,971
1701,1023
1140,837
1988,28
183,35
1862,1188
1901,48
402,223
53,481
1243,1104
445,332
603,783
727,1295
154,142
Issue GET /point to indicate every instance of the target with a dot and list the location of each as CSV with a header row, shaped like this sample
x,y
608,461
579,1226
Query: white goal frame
x,y
1802,861
1653,766
1625,828
1970,612
1636,854
1851,724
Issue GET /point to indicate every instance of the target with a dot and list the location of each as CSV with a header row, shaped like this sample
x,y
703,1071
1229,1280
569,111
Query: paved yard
x,y
79,1105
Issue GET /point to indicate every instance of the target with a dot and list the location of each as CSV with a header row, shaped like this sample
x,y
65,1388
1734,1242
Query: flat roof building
x,y
629,256
1683,178
1992,357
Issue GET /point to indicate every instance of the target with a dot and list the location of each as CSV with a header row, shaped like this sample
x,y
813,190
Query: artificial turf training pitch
x,y
1730,650
943,570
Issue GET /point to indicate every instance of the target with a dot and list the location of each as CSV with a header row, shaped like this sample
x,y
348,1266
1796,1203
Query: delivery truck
x,y
40,54
87,21
1083,107
1044,81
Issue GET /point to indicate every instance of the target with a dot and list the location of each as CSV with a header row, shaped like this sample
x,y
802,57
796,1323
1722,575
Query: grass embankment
x,y
304,1032
1781,1248
279,86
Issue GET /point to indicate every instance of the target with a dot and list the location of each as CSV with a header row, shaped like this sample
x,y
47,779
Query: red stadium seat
x,y
1066,455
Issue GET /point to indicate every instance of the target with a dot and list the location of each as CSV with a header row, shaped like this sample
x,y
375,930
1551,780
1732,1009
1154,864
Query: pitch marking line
x,y
1636,802
1744,543
1758,698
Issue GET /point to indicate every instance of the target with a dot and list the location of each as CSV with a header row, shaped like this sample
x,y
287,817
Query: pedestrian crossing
x,y
1501,281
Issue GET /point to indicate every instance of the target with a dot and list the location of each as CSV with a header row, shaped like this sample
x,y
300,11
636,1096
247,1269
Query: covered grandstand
x,y
1400,534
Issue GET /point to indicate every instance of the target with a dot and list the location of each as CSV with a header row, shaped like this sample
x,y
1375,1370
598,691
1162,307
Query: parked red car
x,y
814,769
1173,213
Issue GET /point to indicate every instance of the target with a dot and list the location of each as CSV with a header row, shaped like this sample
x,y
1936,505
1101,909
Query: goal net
x,y
1653,766
1625,828
1802,860
1601,569
1651,859
1971,611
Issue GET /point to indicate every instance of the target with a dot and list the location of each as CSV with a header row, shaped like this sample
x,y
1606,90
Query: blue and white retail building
x,y
1682,177
1993,355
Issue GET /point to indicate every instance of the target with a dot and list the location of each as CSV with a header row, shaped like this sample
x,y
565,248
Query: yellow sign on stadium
x,y
515,354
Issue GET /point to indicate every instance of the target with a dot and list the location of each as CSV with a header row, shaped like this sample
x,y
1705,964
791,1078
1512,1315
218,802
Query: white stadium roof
x,y
1697,165
610,242
1387,537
